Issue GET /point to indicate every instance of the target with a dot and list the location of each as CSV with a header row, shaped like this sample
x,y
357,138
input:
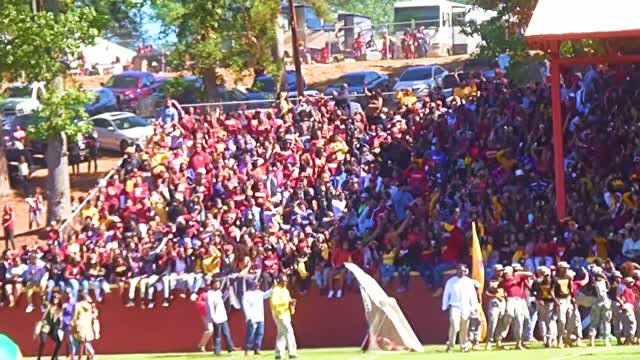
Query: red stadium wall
x,y
318,322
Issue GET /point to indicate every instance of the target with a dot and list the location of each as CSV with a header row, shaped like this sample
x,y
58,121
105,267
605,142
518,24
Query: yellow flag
x,y
477,274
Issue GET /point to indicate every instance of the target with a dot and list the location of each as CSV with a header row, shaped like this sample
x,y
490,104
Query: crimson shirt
x,y
514,286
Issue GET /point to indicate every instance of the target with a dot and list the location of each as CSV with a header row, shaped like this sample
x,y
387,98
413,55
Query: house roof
x,y
583,19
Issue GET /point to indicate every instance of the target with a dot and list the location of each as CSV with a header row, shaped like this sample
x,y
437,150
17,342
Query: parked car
x,y
420,78
356,81
37,148
119,130
130,86
264,87
105,101
21,99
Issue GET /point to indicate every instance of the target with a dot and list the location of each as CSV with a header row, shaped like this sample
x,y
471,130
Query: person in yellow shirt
x,y
282,308
90,211
406,97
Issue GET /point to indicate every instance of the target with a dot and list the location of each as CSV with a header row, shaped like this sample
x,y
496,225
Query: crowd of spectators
x,y
303,188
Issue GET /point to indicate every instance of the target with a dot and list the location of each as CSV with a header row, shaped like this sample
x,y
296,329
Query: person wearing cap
x,y
253,308
563,294
543,290
627,301
513,285
496,305
217,318
459,299
282,309
600,308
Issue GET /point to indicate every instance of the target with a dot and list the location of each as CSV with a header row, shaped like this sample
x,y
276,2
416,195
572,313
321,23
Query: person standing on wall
x,y
459,299
282,308
253,307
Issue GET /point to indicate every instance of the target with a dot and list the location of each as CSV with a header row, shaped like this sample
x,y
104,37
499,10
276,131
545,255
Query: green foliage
x,y
118,18
380,11
39,47
503,34
177,86
62,113
237,34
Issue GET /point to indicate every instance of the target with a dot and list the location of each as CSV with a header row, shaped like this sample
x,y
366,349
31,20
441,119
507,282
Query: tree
x,y
120,19
236,34
5,187
38,46
380,11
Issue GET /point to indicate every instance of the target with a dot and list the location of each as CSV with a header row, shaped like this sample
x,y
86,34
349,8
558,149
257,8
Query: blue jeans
x,y
255,333
198,282
218,331
72,349
386,273
404,276
52,284
322,278
437,279
73,286
98,284
425,269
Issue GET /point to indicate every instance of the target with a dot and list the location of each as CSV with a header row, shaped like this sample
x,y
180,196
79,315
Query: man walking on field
x,y
459,299
282,307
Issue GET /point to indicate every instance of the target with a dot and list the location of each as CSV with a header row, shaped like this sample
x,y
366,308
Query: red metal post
x,y
558,147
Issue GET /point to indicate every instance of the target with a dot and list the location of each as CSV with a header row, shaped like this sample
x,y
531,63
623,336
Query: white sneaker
x,y
330,294
29,308
202,349
194,297
339,295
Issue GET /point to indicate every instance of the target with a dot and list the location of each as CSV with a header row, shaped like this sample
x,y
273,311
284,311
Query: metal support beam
x,y
558,144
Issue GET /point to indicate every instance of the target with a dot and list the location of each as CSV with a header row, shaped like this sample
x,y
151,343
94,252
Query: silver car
x,y
119,130
420,78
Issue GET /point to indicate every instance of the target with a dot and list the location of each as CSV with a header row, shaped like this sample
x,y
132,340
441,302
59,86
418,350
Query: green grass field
x,y
432,352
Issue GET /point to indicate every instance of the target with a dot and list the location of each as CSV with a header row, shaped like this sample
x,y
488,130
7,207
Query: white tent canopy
x,y
104,52
582,19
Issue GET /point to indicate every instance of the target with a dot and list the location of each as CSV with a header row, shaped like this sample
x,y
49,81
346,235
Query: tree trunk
x,y
5,188
210,84
58,186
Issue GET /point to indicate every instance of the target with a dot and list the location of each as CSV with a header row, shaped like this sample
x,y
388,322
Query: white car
x,y
119,130
420,78
21,99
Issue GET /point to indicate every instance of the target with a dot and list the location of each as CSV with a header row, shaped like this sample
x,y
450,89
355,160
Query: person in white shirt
x,y
253,308
217,318
460,299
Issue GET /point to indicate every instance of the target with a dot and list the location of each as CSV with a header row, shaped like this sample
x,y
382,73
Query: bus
x,y
443,20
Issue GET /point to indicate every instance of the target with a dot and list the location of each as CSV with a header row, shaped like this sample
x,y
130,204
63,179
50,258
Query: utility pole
x,y
296,55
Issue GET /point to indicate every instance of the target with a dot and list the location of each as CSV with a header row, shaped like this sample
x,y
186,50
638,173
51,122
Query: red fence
x,y
319,322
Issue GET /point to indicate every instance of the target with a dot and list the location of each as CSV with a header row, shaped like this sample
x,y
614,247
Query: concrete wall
x,y
318,322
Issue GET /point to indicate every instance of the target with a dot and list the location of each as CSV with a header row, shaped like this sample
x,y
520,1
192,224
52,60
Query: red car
x,y
130,86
